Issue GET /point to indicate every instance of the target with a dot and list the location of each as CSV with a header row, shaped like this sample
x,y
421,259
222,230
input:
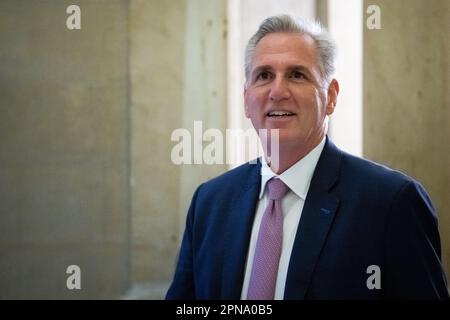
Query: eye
x,y
264,75
298,75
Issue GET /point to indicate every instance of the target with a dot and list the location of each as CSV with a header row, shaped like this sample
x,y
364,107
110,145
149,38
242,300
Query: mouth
x,y
280,114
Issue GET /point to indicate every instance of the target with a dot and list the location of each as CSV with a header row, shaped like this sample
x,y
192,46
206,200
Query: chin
x,y
287,139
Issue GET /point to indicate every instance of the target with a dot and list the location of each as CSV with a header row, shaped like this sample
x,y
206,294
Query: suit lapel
x,y
238,231
317,217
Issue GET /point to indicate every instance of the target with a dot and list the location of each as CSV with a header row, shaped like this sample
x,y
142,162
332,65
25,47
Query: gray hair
x,y
286,23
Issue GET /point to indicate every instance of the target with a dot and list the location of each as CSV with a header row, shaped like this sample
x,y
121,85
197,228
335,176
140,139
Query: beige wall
x,y
63,153
205,75
86,118
178,75
156,74
407,97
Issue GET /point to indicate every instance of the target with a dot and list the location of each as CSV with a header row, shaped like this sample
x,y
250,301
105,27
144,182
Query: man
x,y
317,223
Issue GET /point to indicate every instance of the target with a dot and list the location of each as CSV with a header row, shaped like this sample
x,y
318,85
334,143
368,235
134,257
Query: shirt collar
x,y
298,176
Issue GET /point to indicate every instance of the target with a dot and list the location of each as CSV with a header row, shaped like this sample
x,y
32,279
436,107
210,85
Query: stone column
x,y
64,195
205,88
177,75
407,97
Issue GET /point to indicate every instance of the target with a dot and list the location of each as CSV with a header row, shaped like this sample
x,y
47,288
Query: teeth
x,y
280,113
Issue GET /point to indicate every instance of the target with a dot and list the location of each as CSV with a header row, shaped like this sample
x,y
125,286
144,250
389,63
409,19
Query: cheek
x,y
255,103
320,100
311,106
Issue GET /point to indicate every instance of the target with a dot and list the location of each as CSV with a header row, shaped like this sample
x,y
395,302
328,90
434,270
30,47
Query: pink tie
x,y
268,246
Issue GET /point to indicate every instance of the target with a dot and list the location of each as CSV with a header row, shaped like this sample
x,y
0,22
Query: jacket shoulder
x,y
372,172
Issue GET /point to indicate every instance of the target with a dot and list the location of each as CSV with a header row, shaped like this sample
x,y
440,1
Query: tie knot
x,y
277,189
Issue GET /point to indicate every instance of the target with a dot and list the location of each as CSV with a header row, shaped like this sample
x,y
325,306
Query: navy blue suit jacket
x,y
356,214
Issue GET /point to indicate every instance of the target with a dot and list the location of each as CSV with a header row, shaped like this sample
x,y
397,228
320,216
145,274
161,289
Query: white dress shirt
x,y
297,178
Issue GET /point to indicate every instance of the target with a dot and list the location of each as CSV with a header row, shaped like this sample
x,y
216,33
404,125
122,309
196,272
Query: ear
x,y
332,94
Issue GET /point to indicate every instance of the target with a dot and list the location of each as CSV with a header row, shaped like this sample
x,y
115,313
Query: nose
x,y
279,90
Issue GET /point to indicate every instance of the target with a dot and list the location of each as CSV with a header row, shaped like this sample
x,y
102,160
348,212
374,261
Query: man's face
x,y
285,90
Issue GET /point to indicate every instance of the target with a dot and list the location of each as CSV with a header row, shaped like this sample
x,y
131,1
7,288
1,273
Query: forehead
x,y
286,48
